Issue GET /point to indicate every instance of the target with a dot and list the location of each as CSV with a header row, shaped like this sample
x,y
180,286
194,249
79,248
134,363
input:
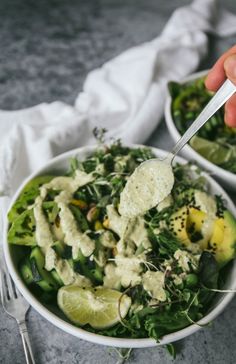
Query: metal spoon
x,y
152,181
219,99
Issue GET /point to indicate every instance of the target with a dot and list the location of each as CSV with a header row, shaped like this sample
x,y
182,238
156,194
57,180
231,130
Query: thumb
x,y
230,67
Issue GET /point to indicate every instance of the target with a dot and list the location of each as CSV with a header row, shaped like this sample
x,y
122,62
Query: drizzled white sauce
x,y
127,268
150,183
128,229
43,232
69,184
185,259
126,271
208,205
72,235
154,282
117,223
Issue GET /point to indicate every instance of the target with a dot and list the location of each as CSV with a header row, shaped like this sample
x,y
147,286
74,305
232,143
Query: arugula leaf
x,y
171,350
163,323
208,270
208,275
164,243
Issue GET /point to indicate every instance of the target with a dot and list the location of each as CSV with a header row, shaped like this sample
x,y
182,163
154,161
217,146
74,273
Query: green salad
x,y
215,141
138,277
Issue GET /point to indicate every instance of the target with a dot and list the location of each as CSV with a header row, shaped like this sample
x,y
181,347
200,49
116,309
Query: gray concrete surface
x,y
46,49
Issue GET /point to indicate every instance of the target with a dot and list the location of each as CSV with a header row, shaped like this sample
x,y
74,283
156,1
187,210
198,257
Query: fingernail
x,y
230,66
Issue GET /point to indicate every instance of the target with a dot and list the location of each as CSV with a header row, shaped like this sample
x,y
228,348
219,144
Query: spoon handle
x,y
221,96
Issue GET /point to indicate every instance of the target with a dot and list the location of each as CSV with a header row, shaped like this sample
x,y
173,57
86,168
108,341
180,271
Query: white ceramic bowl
x,y
60,165
228,179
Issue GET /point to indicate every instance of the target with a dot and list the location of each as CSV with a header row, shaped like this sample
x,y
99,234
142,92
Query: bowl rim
x,y
221,172
80,332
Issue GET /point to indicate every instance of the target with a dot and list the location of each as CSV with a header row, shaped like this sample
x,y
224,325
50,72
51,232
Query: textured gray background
x,y
46,50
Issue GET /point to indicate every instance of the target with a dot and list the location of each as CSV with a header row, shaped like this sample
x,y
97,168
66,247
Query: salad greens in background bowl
x,y
97,275
214,146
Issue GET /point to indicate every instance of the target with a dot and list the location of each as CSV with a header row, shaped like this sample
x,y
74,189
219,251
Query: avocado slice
x,y
186,224
223,240
27,196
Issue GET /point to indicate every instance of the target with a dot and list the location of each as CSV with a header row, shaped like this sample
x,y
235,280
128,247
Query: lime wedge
x,y
212,151
100,307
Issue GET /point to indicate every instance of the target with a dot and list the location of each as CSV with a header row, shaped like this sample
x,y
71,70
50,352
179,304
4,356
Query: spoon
x,y
152,180
219,99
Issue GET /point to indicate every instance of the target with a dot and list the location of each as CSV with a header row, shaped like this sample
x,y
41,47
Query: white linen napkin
x,y
126,95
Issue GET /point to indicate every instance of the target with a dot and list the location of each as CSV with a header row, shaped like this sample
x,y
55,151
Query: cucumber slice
x,y
51,210
63,251
41,276
46,286
95,274
80,218
26,272
57,277
80,257
34,270
59,248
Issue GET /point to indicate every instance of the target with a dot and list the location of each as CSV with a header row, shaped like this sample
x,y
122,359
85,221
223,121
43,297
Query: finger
x,y
230,112
216,75
230,67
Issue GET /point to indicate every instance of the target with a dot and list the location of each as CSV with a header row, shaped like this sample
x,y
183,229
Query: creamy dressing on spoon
x,y
149,184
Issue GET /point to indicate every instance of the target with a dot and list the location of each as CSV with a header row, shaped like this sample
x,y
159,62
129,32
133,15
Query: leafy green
x,y
164,244
22,230
171,349
208,270
208,275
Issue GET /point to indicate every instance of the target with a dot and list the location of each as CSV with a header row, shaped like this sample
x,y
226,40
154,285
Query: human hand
x,y
224,67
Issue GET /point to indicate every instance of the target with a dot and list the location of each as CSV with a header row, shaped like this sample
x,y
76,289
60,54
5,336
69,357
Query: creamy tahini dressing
x,y
128,229
150,183
117,223
111,278
69,184
126,271
154,282
127,268
208,205
43,232
73,236
139,234
185,258
69,229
